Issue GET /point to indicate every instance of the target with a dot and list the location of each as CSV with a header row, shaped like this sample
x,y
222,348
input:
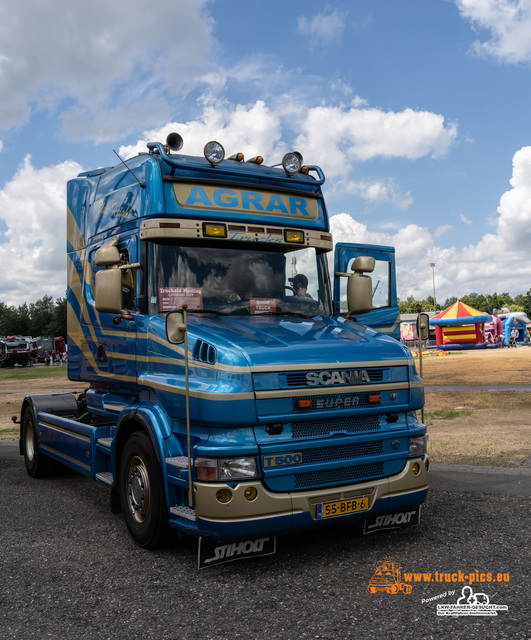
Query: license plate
x,y
342,507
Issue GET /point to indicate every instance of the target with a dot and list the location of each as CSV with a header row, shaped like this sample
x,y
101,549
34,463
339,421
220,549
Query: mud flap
x,y
408,518
211,552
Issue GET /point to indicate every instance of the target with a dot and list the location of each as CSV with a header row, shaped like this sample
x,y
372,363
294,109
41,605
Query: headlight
x,y
418,446
215,469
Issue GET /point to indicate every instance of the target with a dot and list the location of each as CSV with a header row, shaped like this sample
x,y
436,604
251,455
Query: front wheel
x,y
37,464
141,493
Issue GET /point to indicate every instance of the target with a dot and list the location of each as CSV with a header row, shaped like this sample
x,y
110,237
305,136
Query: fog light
x,y
415,468
214,230
224,495
291,235
250,493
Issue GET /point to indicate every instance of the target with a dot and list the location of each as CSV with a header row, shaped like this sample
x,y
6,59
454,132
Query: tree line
x,y
46,317
486,302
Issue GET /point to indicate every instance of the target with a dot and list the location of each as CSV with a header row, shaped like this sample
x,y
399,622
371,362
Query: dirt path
x,y
13,392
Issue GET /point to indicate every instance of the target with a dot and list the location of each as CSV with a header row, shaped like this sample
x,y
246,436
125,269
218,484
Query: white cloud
x,y
375,193
345,135
444,228
253,130
464,219
497,262
514,224
323,27
33,249
509,24
103,65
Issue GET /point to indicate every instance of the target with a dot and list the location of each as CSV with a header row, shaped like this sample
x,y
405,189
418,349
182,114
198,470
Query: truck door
x,y
385,314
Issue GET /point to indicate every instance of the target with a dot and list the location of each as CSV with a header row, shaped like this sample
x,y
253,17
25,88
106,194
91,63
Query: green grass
x,y
445,414
12,433
33,373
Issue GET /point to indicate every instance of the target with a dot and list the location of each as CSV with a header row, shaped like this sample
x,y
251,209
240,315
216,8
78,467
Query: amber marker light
x,y
212,230
206,469
250,493
374,398
291,235
415,468
304,404
224,496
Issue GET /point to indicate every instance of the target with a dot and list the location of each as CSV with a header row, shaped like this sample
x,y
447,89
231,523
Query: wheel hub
x,y
138,490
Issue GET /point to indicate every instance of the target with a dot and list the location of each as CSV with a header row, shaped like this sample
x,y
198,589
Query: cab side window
x,y
128,283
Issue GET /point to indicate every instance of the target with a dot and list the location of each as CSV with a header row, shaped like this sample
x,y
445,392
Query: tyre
x,y
141,493
37,464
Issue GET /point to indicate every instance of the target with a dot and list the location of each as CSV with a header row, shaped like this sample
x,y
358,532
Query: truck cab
x,y
232,390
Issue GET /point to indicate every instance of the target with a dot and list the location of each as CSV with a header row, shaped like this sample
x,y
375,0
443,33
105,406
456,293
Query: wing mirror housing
x,y
359,286
108,281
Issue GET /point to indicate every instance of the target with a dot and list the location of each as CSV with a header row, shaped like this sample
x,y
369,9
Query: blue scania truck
x,y
233,392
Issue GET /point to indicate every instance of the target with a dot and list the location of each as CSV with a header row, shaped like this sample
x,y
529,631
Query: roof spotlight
x,y
214,152
292,162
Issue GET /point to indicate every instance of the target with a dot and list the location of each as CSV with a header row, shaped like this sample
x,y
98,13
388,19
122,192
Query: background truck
x,y
17,350
232,393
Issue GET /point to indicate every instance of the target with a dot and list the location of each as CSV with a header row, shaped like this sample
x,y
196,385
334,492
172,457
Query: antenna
x,y
128,169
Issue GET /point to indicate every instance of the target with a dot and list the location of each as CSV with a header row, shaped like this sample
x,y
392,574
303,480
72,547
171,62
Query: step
x,y
105,442
183,512
106,477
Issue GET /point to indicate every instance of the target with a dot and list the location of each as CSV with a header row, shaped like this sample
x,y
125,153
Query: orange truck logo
x,y
388,577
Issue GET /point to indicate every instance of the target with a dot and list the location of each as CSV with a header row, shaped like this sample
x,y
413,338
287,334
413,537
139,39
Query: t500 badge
x,y
282,460
315,379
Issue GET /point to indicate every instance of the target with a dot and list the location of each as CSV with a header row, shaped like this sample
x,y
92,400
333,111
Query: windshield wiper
x,y
210,311
297,314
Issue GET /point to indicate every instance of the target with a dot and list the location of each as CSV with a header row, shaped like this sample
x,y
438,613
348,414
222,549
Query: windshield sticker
x,y
263,305
172,298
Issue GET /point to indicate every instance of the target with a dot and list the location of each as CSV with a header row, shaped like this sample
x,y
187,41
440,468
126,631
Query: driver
x,y
300,285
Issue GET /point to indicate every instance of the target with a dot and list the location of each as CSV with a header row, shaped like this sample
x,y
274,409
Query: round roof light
x,y
292,162
214,152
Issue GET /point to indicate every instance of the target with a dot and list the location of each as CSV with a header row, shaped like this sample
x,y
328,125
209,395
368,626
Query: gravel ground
x,y
71,572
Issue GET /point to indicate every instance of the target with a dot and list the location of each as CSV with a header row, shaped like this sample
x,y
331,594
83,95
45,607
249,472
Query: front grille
x,y
345,475
299,379
342,452
320,428
339,401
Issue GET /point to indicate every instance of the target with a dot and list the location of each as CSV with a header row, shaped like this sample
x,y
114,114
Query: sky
x,y
418,112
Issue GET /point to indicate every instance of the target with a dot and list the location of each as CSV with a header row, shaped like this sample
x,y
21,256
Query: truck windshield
x,y
241,281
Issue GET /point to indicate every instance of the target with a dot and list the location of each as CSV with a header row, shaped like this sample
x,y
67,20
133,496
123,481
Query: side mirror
x,y
108,255
359,286
423,326
175,327
108,294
